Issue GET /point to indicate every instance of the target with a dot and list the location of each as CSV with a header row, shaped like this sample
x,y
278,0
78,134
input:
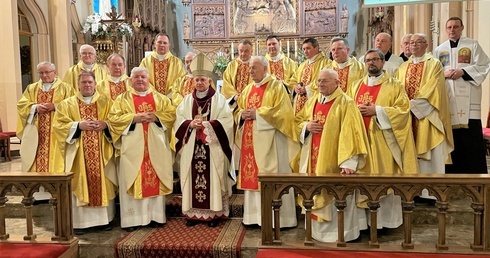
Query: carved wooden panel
x,y
320,17
208,21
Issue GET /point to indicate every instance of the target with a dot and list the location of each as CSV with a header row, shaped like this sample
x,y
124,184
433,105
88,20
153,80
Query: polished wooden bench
x,y
59,185
477,187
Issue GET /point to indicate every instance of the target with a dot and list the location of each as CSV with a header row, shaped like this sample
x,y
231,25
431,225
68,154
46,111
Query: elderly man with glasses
x,y
87,63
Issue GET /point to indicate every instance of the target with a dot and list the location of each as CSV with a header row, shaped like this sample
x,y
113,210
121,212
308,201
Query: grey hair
x,y
87,46
46,63
421,35
386,34
262,60
114,55
139,69
330,71
190,54
408,35
335,39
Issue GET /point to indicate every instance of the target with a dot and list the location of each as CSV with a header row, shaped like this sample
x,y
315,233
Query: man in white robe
x,y
465,68
384,42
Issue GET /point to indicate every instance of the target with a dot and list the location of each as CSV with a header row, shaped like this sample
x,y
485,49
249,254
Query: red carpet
x,y
291,253
175,240
22,250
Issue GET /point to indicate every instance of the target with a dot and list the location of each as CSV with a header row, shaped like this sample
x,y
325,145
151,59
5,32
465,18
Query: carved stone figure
x,y
344,19
187,26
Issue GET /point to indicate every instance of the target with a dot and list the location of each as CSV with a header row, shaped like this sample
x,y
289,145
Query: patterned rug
x,y
173,206
176,240
291,253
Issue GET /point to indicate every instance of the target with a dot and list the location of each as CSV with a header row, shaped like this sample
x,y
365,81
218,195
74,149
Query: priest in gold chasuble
x,y
185,84
87,63
140,121
385,108
117,81
266,136
333,139
204,130
347,67
423,79
81,130
164,68
237,76
304,80
280,66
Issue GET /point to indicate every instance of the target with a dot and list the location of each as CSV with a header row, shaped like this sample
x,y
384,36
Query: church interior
x,y
39,30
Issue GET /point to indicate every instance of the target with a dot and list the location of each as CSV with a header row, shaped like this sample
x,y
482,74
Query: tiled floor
x,y
101,243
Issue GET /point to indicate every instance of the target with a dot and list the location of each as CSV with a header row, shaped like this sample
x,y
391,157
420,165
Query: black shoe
x,y
131,229
107,227
419,201
213,223
155,224
191,223
79,231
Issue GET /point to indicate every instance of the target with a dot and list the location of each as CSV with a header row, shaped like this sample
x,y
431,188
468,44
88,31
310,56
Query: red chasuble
x,y
305,79
44,132
248,167
365,95
412,84
161,74
116,89
277,69
149,179
320,114
91,154
343,77
242,77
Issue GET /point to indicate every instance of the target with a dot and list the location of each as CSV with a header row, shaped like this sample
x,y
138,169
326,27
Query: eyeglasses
x,y
418,42
87,54
320,81
45,73
373,60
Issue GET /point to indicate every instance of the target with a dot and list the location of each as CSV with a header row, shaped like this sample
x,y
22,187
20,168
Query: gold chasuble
x,y
392,149
283,69
348,72
163,73
146,158
90,156
183,86
425,80
71,76
39,148
235,78
113,89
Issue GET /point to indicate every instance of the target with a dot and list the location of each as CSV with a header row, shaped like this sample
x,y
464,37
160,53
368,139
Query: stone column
x,y
60,35
10,74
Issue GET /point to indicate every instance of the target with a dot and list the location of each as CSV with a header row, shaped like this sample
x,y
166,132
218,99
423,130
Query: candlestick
x,y
232,51
295,49
287,46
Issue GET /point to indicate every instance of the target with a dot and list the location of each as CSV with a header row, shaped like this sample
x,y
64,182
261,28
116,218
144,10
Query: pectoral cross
x,y
113,23
461,113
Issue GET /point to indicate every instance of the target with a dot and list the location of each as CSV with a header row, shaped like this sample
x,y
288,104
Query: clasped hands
x,y
249,114
44,108
299,89
196,124
367,109
453,74
92,125
145,117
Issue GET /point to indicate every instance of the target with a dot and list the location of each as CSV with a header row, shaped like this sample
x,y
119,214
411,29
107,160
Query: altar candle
x,y
287,46
232,51
257,47
295,49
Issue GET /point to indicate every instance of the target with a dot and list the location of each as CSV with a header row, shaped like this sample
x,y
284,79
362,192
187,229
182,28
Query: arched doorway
x,y
25,42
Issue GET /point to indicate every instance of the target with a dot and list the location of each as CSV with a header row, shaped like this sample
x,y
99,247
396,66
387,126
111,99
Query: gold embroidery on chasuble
x,y
367,94
305,79
412,84
320,114
242,77
248,166
116,89
161,74
277,69
189,86
44,132
91,154
343,77
150,184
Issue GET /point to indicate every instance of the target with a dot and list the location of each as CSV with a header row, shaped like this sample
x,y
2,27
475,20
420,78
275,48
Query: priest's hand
x,y
99,125
138,118
87,125
314,127
150,117
49,106
368,109
42,108
453,74
347,171
248,114
299,89
196,124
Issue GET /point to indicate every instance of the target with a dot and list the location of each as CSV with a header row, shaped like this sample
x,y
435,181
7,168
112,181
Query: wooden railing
x,y
477,187
28,183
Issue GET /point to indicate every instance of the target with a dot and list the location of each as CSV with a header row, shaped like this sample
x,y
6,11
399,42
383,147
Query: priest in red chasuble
x,y
117,82
267,138
204,131
347,67
304,80
280,66
83,135
141,120
385,108
164,68
35,111
333,140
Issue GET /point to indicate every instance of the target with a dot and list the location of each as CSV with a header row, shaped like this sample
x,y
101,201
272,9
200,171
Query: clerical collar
x,y
201,94
312,60
387,56
88,100
325,98
419,59
87,67
161,57
372,80
276,58
454,43
258,84
47,86
344,64
116,79
142,93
